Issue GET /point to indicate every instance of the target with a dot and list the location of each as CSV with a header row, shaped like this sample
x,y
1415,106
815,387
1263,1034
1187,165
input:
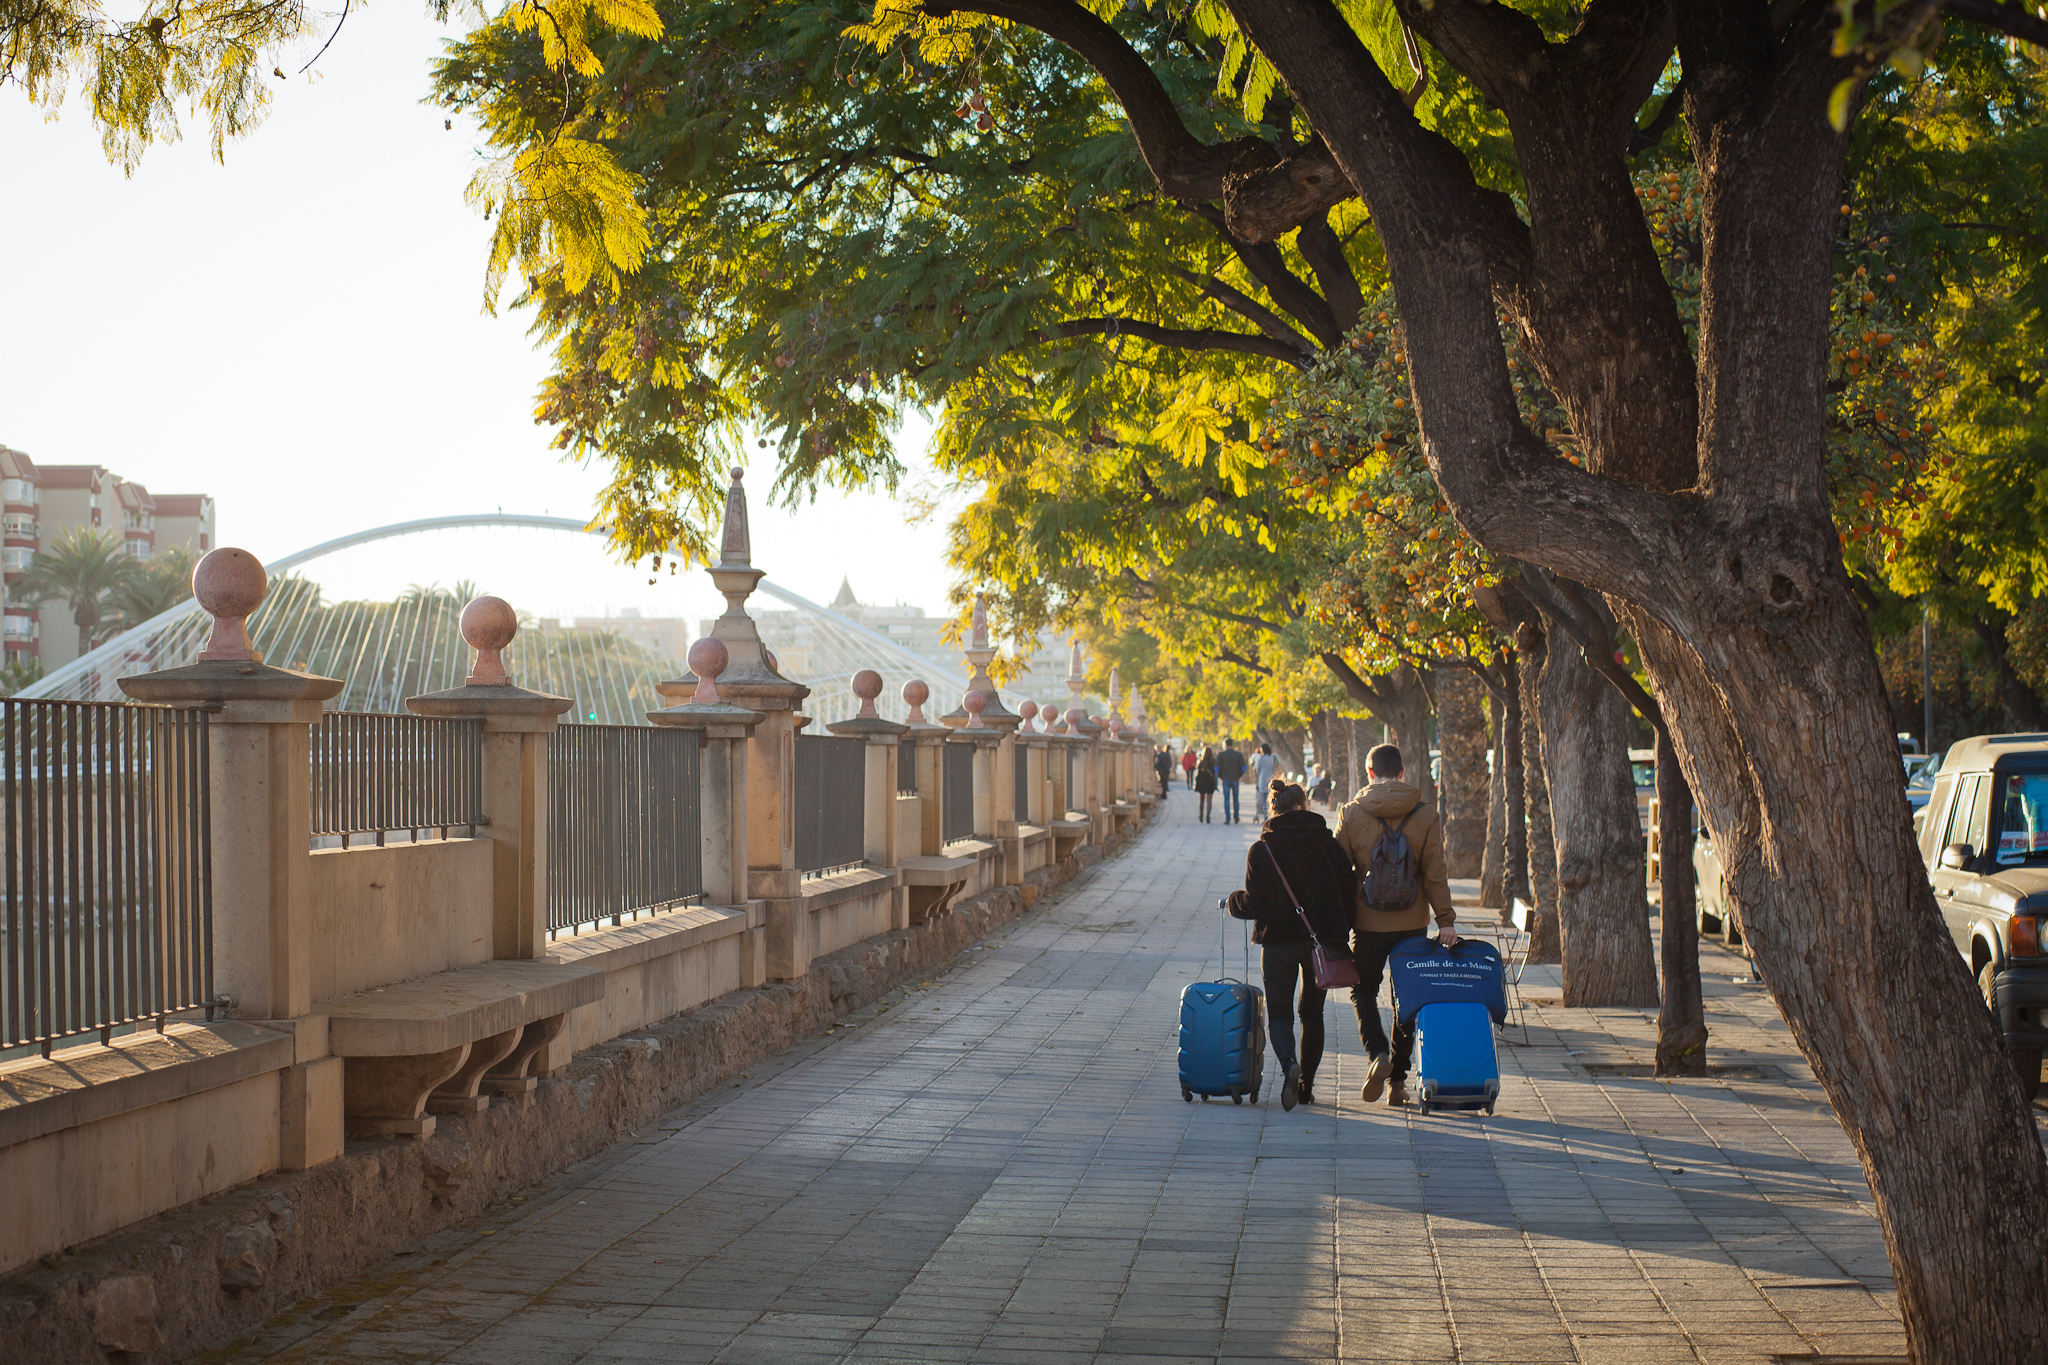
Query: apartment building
x,y
43,502
21,491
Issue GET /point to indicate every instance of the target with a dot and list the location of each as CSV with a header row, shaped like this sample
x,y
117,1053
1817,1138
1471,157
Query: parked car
x,y
1984,839
1715,914
1920,774
1642,765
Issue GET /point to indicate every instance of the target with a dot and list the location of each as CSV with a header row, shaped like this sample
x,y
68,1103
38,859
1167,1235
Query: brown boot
x,y
1397,1095
1375,1077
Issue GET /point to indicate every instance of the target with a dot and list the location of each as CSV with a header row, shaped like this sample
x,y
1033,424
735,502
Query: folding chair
x,y
1521,919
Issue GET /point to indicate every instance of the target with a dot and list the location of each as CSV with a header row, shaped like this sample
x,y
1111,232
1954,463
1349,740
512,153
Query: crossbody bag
x,y
1330,972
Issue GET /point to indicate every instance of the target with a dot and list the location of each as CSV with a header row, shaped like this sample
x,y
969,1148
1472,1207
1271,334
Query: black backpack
x,y
1389,882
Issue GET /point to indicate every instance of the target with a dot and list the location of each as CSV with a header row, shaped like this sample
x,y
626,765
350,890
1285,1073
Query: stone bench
x,y
443,1044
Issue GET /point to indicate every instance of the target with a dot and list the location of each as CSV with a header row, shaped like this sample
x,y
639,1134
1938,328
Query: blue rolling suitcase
x,y
1455,1065
1223,1036
1455,997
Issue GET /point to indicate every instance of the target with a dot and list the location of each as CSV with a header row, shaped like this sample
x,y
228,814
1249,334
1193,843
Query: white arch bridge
x,y
387,651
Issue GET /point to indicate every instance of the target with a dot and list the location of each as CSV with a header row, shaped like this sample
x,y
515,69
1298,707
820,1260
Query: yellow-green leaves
x,y
566,204
565,27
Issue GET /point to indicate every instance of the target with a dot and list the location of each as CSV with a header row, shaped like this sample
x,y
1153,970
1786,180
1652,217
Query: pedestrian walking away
x,y
1264,765
1162,767
1295,872
1229,772
1205,786
1187,765
1396,843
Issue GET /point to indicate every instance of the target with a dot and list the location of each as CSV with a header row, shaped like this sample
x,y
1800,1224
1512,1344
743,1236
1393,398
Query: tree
x,y
84,569
157,585
1702,511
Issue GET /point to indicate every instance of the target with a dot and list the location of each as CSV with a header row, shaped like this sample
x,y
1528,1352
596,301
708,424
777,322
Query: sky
x,y
300,333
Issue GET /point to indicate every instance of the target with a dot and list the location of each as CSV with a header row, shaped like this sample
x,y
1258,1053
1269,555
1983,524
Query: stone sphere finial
x,y
708,658
229,584
1075,717
916,693
488,625
867,685
974,703
1028,712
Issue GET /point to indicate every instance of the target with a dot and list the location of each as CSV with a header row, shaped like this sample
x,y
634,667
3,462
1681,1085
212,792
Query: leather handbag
x,y
1330,972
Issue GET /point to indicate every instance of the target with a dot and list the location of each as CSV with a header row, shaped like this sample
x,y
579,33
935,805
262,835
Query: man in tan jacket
x,y
1389,802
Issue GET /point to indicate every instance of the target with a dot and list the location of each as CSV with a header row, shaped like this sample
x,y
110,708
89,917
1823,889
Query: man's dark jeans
x,y
1371,950
1281,964
1230,800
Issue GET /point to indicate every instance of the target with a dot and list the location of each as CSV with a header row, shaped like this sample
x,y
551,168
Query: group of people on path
x,y
1226,771
1297,852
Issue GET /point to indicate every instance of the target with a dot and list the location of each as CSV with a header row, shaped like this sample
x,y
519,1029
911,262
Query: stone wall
x,y
208,1271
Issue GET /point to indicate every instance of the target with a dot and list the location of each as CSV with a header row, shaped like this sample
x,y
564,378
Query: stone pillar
x,y
724,730
260,789
1030,749
516,725
987,742
750,681
930,740
884,739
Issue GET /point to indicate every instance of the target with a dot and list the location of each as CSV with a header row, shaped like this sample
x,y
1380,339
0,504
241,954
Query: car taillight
x,y
2025,935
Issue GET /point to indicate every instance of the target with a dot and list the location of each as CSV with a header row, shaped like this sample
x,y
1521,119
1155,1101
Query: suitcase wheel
x,y
1187,1095
1236,1097
1425,1109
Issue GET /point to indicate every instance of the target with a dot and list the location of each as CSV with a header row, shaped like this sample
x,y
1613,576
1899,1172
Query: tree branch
x,y
1289,290
2012,20
1319,246
1186,339
1235,299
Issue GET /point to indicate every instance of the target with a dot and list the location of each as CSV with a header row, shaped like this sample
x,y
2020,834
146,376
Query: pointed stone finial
x,y
488,625
974,703
1075,677
229,584
708,658
980,621
916,693
736,546
1116,687
867,685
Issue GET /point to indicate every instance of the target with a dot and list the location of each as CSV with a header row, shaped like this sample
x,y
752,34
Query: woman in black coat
x,y
1297,842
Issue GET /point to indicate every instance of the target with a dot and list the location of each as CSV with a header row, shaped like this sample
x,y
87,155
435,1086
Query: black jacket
x,y
1316,868
1230,765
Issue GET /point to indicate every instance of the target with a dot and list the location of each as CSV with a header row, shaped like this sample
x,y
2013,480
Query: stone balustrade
x,y
378,992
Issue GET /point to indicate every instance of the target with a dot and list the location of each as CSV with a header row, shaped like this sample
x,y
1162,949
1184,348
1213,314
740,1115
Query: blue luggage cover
x,y
1427,973
1454,1056
1222,1037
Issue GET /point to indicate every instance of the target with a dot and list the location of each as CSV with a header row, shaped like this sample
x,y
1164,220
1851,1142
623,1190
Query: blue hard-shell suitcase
x,y
1455,1064
1223,1037
1427,973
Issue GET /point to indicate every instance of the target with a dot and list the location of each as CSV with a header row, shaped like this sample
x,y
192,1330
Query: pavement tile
x,y
995,1165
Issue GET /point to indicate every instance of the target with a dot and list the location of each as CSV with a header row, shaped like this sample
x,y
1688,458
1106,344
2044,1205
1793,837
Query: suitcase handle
x,y
1223,943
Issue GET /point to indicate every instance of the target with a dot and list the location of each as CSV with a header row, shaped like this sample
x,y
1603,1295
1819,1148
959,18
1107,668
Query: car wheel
x,y
2026,1062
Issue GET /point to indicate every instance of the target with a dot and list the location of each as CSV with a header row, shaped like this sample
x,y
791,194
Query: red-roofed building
x,y
20,538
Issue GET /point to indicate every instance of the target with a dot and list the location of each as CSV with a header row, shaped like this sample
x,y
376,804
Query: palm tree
x,y
154,588
83,568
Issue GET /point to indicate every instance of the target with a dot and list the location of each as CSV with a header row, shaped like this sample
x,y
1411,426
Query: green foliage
x,y
157,585
85,570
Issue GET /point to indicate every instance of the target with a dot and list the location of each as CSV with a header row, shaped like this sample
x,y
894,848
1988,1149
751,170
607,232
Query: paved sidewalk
x,y
997,1166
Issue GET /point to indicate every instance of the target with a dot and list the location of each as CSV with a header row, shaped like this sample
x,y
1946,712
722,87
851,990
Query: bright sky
x,y
300,334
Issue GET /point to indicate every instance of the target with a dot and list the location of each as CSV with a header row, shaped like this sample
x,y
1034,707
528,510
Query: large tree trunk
x,y
1493,867
1461,740
1540,885
1681,1018
1602,907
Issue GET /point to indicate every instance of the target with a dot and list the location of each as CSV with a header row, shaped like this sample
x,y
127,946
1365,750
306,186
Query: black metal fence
x,y
376,773
107,916
906,767
956,800
831,802
1022,756
624,827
